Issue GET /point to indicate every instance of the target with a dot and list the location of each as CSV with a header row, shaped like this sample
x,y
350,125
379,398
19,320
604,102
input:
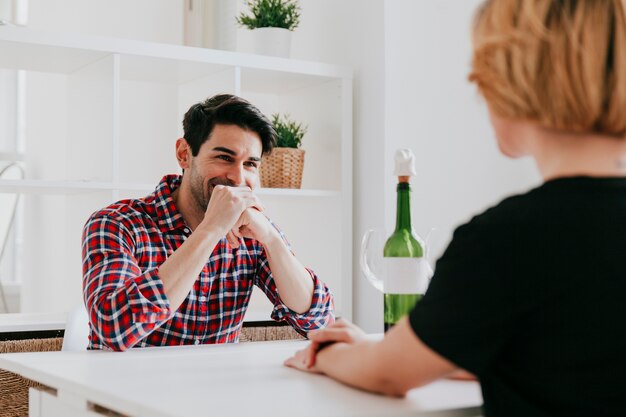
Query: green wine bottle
x,y
406,269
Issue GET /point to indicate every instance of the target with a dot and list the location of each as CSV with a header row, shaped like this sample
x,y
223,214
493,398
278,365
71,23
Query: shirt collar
x,y
168,216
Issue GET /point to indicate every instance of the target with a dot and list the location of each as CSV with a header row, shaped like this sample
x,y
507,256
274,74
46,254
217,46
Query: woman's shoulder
x,y
510,209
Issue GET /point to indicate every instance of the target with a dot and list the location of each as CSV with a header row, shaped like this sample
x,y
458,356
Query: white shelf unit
x,y
102,118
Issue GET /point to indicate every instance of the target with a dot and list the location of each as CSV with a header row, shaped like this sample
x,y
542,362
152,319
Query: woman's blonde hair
x,y
561,63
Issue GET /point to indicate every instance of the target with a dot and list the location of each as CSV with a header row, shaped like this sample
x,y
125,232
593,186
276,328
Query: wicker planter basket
x,y
282,168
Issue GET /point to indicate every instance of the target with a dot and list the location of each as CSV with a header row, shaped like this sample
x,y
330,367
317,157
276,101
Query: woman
x,y
529,294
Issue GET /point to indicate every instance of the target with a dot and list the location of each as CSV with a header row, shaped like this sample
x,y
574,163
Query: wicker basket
x,y
282,168
13,387
265,333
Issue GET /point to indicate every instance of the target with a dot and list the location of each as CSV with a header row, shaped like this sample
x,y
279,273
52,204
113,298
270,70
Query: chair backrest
x,y
76,336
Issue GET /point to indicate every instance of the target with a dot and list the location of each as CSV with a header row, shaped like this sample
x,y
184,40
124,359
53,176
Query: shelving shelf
x,y
109,110
65,53
76,187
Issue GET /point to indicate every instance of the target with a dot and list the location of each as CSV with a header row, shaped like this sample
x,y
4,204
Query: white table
x,y
246,379
16,322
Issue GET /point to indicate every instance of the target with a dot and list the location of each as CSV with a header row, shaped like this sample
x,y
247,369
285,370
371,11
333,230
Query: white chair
x,y
76,336
8,205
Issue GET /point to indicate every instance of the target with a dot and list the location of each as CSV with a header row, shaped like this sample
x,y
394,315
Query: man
x,y
178,266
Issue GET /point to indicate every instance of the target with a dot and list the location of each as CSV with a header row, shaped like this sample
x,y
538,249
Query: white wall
x,y
347,33
410,59
146,20
433,109
344,32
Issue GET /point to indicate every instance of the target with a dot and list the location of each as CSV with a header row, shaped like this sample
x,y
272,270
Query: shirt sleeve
x,y
322,310
470,306
125,304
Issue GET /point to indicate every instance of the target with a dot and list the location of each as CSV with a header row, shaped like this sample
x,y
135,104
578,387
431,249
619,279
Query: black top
x,y
531,297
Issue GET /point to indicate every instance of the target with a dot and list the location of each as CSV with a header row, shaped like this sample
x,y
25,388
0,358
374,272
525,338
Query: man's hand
x,y
226,206
342,331
252,224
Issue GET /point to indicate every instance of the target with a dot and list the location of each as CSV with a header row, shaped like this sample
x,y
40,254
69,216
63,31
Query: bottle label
x,y
406,275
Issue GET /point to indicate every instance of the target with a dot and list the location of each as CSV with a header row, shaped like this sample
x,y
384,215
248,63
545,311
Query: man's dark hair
x,y
226,109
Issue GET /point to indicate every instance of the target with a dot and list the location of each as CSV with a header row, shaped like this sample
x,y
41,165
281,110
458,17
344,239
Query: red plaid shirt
x,y
124,245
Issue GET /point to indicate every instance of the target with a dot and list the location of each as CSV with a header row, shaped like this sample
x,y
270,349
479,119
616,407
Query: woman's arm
x,y
392,366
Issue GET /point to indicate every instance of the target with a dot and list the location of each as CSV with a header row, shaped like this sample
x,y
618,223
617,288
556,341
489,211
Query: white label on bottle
x,y
406,275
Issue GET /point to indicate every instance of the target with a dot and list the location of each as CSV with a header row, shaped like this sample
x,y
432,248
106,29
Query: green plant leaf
x,y
271,13
289,132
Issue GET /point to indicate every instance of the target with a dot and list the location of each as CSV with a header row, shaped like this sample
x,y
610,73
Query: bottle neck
x,y
403,211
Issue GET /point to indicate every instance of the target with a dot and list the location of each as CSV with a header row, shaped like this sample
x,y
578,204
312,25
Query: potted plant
x,y
282,168
271,22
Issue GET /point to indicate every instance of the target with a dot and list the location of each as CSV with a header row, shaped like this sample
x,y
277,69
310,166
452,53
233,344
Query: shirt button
x,y
202,299
197,342
186,230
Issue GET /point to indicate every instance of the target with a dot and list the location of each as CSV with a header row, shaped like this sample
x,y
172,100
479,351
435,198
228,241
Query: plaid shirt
x,y
124,245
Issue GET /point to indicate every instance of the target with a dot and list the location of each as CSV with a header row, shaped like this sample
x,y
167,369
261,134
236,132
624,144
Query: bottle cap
x,y
405,163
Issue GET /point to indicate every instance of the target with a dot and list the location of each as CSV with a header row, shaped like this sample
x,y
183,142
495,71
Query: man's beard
x,y
202,195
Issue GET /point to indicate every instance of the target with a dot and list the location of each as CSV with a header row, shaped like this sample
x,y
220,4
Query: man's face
x,y
231,156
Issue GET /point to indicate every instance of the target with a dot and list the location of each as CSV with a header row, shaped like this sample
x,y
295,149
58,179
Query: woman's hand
x,y
462,375
342,331
304,360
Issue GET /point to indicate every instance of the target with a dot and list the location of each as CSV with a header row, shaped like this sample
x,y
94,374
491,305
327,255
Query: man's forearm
x,y
293,281
182,267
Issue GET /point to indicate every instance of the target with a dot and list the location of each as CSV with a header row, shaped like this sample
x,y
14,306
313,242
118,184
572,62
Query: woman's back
x,y
528,296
